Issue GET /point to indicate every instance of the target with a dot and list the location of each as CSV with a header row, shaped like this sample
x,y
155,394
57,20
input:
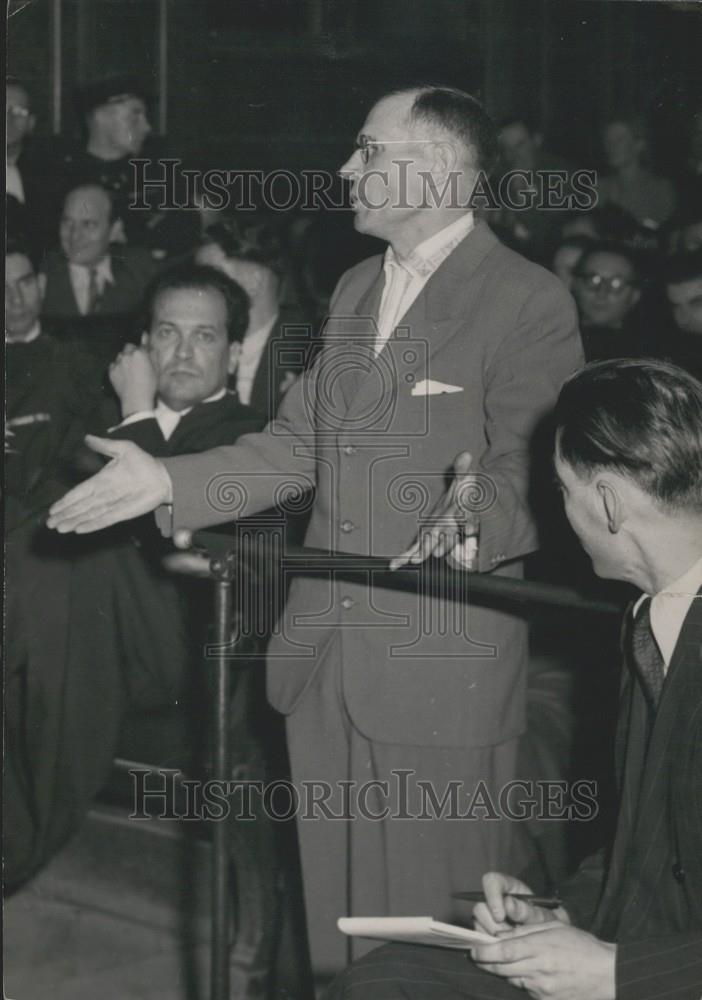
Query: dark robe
x,y
95,627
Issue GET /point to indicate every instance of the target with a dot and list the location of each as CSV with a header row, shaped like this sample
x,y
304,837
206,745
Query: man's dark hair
x,y
462,116
527,121
17,244
640,418
254,240
201,278
14,81
682,267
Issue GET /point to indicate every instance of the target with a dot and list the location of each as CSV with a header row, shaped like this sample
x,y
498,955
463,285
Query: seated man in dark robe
x,y
124,638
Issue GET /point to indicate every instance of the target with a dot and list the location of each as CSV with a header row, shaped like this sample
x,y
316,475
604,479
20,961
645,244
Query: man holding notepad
x,y
629,462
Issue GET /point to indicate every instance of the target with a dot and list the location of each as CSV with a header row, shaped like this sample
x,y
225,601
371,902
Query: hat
x,y
108,90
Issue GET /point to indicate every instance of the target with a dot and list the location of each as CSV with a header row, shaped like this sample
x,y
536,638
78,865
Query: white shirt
x,y
13,182
166,418
32,335
80,281
405,277
250,357
670,606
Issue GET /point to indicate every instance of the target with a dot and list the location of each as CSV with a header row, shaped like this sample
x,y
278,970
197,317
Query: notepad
x,y
414,930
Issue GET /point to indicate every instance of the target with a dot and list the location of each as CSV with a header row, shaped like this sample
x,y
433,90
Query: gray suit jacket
x,y
364,434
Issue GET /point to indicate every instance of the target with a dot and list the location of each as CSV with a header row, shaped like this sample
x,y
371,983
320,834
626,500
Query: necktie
x,y
93,290
397,279
646,654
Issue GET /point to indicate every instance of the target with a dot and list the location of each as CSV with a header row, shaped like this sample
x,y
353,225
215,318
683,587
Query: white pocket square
x,y
428,387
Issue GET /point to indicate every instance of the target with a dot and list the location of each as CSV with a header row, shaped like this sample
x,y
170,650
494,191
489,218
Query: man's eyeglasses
x,y
598,282
365,145
16,111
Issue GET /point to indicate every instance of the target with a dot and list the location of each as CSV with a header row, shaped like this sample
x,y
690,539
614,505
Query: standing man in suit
x,y
629,464
448,341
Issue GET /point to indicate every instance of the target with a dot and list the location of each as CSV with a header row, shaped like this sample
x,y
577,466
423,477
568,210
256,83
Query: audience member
x,y
115,115
50,388
683,286
50,396
92,277
689,181
533,231
567,256
277,343
25,184
629,462
630,183
607,288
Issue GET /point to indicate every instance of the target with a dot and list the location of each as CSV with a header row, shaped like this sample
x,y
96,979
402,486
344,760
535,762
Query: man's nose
x,y
184,348
353,166
15,298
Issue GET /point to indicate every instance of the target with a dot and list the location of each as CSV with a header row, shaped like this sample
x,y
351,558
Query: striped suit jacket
x,y
650,885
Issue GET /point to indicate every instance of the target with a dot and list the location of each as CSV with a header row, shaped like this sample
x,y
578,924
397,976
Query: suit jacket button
x,y
347,527
678,872
347,603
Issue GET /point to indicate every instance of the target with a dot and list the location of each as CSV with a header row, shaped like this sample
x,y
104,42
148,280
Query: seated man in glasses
x,y
607,287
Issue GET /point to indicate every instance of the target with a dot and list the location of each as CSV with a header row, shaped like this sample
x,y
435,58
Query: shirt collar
x,y
103,269
432,252
33,334
165,408
669,608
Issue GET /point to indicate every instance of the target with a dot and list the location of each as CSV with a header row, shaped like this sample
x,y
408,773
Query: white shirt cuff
x,y
134,418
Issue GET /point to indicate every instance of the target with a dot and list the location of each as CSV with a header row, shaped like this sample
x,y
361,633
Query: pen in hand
x,y
477,896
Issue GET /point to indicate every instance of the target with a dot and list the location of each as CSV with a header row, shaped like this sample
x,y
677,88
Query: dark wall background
x,y
286,83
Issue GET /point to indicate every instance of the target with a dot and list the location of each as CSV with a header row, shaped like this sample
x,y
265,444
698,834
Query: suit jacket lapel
x,y
643,811
682,661
64,291
437,312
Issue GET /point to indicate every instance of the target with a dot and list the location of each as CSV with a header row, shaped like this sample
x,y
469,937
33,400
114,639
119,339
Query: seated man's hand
x,y
133,483
448,530
133,378
501,911
552,961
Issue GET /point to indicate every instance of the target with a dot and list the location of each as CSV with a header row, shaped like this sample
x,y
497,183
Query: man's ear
x,y
445,157
117,233
145,339
41,282
611,505
538,139
234,352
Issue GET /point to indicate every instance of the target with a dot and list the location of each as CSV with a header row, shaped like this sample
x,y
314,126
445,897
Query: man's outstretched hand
x,y
133,483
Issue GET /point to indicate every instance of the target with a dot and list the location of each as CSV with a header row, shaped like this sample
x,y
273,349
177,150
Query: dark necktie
x,y
646,654
93,290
